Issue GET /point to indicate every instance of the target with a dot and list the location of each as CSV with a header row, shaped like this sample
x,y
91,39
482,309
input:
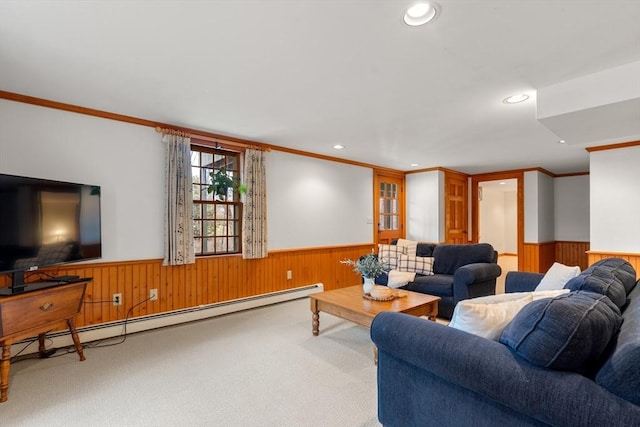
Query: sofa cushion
x,y
620,269
600,281
439,285
425,249
416,264
557,276
621,374
567,333
448,258
389,254
488,316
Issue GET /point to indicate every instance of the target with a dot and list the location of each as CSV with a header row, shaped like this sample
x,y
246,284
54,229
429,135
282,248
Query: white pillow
x,y
400,278
410,245
417,264
389,254
488,316
557,276
536,295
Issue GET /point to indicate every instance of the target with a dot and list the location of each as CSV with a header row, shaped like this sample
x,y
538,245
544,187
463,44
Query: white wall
x,y
571,201
492,218
310,202
539,224
511,222
615,200
313,202
425,206
127,161
546,220
498,219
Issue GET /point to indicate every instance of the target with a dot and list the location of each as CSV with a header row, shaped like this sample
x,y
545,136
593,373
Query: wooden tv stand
x,y
36,313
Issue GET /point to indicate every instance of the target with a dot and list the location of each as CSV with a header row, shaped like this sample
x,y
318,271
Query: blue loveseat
x,y
460,272
431,374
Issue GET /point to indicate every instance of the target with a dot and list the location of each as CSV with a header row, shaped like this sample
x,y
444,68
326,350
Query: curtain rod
x,y
218,141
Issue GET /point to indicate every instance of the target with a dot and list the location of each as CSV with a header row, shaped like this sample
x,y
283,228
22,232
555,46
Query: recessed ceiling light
x,y
338,147
420,13
515,99
413,165
503,183
562,141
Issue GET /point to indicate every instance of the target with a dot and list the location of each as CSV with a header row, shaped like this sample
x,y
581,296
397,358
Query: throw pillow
x,y
410,245
599,283
567,333
416,264
488,316
400,278
536,295
620,269
557,276
389,254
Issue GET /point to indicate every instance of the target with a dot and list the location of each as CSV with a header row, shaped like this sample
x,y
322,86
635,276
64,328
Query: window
x,y
217,218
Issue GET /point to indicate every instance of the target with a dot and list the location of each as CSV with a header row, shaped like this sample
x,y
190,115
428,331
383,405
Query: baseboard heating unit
x,y
144,323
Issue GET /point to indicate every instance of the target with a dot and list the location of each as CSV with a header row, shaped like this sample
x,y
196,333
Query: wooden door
x,y
455,213
389,207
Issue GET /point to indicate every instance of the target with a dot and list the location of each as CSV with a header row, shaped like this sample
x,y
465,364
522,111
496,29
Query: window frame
x,y
200,213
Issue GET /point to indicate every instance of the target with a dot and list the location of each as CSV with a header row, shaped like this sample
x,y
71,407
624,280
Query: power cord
x,y
63,351
123,334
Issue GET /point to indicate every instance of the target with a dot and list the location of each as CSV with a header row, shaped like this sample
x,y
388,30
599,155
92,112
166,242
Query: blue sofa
x,y
460,272
431,374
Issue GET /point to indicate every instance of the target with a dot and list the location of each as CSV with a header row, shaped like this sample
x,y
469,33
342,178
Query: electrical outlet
x,y
289,275
153,294
117,299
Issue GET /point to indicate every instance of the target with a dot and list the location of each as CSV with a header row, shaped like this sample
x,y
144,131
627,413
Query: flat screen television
x,y
45,223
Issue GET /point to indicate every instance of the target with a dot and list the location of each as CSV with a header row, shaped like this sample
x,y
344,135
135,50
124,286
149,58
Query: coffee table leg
x,y
315,317
315,323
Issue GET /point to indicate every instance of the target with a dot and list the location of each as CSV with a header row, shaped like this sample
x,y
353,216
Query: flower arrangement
x,y
369,266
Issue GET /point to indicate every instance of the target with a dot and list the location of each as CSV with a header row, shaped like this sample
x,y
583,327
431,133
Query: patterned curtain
x,y
178,229
254,218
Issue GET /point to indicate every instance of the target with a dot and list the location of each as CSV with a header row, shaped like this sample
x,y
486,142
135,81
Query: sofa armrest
x,y
486,369
470,274
521,281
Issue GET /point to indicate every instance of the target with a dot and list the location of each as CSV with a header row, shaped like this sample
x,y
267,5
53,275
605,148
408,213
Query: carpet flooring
x,y
260,367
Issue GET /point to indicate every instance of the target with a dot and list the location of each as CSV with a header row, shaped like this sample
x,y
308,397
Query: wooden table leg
x,y
76,339
41,347
4,370
315,317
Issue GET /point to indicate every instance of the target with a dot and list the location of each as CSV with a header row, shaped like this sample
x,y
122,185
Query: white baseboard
x,y
144,323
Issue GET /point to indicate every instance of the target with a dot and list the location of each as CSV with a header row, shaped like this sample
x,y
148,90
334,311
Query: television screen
x,y
45,223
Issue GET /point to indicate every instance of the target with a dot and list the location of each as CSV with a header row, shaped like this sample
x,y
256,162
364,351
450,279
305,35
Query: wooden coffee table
x,y
348,303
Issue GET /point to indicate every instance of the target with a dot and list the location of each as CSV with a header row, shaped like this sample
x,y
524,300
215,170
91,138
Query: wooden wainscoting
x,y
573,253
634,259
538,257
209,280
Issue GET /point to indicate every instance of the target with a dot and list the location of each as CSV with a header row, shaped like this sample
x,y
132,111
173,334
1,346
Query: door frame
x,y
475,208
378,176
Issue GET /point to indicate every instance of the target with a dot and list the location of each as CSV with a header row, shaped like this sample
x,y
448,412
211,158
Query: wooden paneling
x,y
634,259
573,253
537,257
209,280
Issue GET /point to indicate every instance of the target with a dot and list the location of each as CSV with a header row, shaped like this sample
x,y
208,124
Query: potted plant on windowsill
x,y
369,267
221,181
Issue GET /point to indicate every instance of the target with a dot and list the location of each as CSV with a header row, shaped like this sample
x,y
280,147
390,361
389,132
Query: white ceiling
x,y
308,74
